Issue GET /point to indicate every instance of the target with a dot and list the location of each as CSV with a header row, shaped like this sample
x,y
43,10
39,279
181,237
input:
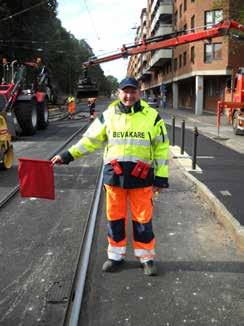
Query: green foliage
x,y
38,32
232,9
114,84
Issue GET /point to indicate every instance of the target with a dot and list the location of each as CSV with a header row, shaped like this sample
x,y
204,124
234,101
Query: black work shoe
x,y
111,265
149,268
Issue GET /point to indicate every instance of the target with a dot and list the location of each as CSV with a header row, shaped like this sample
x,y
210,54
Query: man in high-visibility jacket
x,y
135,166
71,106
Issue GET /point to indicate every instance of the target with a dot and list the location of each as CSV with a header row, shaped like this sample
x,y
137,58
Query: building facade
x,y
193,75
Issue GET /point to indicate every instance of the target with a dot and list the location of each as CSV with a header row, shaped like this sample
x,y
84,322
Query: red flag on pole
x,y
36,178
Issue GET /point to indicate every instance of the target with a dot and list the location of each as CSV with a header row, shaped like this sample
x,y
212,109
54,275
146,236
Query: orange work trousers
x,y
118,200
71,107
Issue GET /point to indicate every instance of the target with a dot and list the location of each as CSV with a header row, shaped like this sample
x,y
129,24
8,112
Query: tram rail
x,y
71,313
76,296
15,189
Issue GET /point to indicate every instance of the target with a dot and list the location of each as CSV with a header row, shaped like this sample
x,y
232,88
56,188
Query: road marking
x,y
225,193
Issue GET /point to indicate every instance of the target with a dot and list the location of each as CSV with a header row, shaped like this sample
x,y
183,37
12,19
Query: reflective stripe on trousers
x,y
141,207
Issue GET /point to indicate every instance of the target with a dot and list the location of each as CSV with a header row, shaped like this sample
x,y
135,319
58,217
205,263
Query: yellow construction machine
x,y
6,149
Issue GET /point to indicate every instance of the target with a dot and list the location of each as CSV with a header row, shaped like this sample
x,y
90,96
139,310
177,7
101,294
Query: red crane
x,y
234,107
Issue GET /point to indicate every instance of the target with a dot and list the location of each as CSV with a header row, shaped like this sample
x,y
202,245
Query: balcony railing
x,y
160,57
163,9
157,3
162,29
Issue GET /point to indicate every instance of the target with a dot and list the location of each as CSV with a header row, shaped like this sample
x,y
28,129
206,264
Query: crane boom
x,y
168,41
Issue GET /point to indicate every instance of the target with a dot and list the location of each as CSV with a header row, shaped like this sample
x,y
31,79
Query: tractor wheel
x,y
42,115
26,114
236,130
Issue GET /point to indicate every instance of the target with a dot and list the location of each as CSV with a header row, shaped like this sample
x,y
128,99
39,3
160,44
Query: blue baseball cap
x,y
128,82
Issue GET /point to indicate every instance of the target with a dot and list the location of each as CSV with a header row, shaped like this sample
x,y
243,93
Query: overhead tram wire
x,y
92,21
23,11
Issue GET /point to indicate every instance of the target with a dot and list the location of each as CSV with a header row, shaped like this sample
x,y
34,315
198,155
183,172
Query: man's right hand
x,y
57,160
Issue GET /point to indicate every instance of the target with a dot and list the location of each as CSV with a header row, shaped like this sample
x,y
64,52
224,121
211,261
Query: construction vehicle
x,y
28,103
233,103
6,149
85,87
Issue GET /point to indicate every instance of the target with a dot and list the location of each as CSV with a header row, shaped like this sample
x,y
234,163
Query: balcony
x,y
146,74
164,9
156,4
160,57
162,29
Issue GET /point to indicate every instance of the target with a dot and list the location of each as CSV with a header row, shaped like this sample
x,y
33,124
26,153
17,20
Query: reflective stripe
x,y
128,141
81,148
116,253
127,159
144,255
159,138
90,132
93,140
161,162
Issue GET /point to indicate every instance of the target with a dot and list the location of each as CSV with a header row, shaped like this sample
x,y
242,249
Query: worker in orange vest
x,y
92,106
71,106
135,167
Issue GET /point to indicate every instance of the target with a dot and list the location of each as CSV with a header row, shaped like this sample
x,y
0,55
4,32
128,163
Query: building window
x,y
213,17
180,10
193,54
180,61
175,64
185,29
184,58
185,5
213,87
192,23
212,52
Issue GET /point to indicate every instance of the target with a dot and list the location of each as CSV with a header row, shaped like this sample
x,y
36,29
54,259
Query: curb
x,y
224,217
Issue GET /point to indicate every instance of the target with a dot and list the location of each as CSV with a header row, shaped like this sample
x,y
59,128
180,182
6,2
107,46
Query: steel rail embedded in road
x,y
75,301
15,189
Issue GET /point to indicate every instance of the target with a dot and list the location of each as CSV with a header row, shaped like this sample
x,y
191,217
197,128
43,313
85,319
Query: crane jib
x,y
170,40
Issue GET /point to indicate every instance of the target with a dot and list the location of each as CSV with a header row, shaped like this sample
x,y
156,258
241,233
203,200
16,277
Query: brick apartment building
x,y
194,74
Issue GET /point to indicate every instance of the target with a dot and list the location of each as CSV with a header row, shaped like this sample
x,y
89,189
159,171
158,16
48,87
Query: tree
x,y
34,30
113,83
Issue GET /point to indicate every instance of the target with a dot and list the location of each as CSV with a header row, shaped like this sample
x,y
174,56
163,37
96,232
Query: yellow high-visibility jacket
x,y
130,135
70,99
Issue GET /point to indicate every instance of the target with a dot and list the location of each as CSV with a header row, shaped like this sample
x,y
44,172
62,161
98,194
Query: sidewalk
x,y
200,268
206,124
200,271
219,176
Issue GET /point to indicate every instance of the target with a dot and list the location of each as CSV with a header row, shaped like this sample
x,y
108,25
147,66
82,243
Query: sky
x,y
105,25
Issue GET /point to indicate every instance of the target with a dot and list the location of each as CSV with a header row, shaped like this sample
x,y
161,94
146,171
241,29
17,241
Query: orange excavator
x,y
234,98
233,103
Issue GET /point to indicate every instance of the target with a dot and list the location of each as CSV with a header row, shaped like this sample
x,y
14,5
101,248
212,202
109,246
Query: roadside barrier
x,y
194,152
182,147
195,133
173,130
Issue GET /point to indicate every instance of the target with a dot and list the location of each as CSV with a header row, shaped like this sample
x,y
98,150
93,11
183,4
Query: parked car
x,y
153,102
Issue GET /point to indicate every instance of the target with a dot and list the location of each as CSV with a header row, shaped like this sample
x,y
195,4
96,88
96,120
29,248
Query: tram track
x,y
73,266
15,189
78,285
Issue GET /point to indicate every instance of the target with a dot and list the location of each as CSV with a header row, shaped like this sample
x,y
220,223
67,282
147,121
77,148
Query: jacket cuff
x,y
66,157
161,182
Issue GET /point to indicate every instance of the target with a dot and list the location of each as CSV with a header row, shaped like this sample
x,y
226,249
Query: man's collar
x,y
129,109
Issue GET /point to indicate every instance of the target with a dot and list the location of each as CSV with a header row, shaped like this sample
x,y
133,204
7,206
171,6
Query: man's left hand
x,y
156,190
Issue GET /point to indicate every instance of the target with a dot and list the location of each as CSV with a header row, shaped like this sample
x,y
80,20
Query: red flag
x,y
36,178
